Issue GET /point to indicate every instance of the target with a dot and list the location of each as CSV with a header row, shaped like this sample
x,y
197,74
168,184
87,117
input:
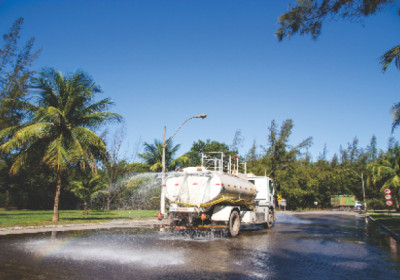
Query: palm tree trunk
x,y
57,197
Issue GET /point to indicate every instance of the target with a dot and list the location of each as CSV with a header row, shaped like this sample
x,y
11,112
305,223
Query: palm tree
x,y
153,156
88,184
387,171
60,126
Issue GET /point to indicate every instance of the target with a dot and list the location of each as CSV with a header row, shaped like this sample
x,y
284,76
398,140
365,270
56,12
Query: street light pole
x,y
162,200
363,190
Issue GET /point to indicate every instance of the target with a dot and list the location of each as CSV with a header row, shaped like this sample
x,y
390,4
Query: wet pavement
x,y
306,246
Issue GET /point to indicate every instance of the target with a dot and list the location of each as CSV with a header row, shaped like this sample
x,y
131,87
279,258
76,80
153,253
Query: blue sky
x,y
164,61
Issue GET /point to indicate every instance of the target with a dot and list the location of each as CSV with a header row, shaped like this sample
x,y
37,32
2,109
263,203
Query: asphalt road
x,y
303,246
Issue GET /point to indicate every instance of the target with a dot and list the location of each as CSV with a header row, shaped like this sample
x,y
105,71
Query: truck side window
x,y
252,181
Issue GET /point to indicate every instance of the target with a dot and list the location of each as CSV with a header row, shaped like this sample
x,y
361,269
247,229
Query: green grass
x,y
391,221
13,218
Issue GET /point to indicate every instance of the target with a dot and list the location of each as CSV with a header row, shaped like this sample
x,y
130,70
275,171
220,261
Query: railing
x,y
218,161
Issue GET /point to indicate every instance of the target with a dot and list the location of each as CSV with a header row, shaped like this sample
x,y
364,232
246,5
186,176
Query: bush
x,y
376,204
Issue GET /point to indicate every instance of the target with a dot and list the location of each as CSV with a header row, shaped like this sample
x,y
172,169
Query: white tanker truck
x,y
207,198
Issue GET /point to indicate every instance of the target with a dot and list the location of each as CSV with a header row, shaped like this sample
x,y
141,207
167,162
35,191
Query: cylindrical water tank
x,y
192,187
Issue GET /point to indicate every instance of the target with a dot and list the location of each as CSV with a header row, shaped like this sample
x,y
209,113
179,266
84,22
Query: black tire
x,y
270,219
234,223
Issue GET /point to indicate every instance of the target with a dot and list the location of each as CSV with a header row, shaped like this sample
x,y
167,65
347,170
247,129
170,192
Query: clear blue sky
x,y
164,61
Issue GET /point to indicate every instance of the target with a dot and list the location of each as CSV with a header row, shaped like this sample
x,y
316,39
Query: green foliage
x,y
396,115
85,185
302,182
308,16
139,167
194,155
152,156
15,73
376,203
60,124
386,170
387,58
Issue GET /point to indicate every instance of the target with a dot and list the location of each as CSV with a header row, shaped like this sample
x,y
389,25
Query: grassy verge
x,y
12,218
391,221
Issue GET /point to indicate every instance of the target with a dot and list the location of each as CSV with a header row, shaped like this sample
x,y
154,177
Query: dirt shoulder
x,y
143,223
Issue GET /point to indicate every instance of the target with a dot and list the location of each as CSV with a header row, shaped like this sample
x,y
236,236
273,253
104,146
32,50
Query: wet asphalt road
x,y
307,246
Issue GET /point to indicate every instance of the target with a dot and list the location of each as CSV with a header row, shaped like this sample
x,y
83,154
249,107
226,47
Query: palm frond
x,y
25,106
96,119
156,167
56,155
27,135
387,58
97,107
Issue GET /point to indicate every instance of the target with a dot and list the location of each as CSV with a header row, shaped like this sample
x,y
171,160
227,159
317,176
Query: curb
x,y
145,223
392,233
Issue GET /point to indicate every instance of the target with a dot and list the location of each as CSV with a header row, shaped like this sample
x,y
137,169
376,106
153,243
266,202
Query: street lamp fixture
x,y
162,200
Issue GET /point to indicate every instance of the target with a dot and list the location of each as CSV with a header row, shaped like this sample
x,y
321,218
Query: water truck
x,y
216,196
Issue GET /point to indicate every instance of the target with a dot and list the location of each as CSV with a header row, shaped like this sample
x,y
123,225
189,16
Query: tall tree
x,y
115,166
237,141
372,150
279,153
15,73
199,147
61,125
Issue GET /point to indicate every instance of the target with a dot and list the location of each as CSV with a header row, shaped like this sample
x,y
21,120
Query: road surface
x,y
300,246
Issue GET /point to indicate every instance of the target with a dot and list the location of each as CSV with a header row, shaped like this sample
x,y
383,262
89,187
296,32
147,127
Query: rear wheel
x,y
270,219
234,223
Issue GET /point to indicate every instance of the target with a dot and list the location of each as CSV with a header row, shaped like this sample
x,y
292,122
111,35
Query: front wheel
x,y
234,223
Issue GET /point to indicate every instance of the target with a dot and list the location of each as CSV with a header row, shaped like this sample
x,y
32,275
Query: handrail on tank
x,y
218,162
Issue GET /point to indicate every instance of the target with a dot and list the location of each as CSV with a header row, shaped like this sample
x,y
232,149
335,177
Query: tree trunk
x,y
108,202
57,197
7,199
85,208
